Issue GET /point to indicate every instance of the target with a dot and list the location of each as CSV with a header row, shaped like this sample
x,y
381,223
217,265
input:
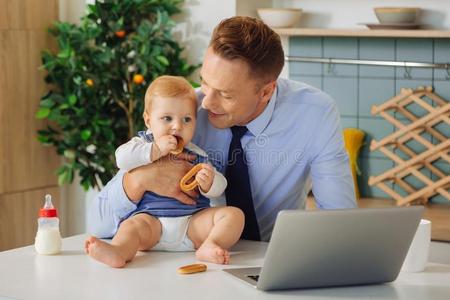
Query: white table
x,y
152,275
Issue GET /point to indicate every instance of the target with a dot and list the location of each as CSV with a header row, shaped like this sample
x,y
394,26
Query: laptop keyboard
x,y
254,277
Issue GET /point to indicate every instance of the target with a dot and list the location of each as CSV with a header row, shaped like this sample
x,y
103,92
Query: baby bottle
x,y
48,238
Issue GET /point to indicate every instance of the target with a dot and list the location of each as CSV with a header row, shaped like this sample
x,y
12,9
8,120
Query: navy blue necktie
x,y
238,191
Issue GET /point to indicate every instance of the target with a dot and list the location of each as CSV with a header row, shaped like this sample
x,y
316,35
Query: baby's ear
x,y
146,117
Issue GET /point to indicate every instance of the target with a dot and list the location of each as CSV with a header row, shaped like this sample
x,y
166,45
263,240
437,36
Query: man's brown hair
x,y
251,40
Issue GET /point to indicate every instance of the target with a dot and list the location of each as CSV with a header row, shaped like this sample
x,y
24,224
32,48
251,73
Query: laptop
x,y
325,248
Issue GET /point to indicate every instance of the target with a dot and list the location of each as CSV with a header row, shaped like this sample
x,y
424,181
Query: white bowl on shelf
x,y
280,17
396,15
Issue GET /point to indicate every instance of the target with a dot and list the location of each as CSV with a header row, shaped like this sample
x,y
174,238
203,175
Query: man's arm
x,y
119,197
109,207
161,177
332,182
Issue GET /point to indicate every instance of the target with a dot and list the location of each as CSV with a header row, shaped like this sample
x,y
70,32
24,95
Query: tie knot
x,y
238,131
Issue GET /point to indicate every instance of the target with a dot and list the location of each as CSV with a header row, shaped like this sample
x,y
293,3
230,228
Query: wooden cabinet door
x,y
27,168
26,163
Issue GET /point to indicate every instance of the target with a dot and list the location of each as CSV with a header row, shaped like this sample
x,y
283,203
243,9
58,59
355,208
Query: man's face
x,y
232,96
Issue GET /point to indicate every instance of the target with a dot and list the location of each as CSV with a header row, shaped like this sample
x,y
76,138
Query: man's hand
x,y
161,177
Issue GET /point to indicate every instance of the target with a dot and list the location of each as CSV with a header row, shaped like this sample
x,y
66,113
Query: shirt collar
x,y
257,126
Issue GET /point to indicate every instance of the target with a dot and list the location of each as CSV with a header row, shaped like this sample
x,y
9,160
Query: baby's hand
x,y
165,144
205,177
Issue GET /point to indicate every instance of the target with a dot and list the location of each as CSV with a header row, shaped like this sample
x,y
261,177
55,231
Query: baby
x,y
162,223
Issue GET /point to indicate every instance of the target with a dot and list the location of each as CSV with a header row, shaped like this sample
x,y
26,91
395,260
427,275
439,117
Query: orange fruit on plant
x,y
90,82
120,33
138,78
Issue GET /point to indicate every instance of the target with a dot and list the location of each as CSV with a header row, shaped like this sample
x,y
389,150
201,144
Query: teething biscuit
x,y
180,146
191,269
184,185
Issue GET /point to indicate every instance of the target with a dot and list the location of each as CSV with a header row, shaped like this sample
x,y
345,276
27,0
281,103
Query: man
x,y
269,136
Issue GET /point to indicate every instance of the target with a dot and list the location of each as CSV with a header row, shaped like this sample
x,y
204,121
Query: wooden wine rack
x,y
411,128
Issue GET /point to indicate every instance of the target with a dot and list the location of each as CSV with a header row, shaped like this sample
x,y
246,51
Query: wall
x,y
195,24
73,204
357,88
198,18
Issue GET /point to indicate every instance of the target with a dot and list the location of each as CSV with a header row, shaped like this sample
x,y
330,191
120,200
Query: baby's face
x,y
172,116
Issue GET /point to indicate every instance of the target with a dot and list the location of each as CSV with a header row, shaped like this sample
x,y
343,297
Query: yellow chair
x,y
353,139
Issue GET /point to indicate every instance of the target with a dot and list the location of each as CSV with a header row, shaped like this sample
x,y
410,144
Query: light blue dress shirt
x,y
296,141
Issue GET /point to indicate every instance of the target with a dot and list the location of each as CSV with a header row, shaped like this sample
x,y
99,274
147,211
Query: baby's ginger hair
x,y
170,87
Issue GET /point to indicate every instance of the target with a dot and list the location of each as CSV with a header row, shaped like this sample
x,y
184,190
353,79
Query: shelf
x,y
419,33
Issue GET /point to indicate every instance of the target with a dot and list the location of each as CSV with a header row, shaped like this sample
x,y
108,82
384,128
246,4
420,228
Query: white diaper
x,y
174,235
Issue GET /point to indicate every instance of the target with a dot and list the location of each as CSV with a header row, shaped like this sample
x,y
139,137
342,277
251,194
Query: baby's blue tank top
x,y
161,206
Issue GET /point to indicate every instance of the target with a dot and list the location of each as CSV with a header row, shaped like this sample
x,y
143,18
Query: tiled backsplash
x,y
357,87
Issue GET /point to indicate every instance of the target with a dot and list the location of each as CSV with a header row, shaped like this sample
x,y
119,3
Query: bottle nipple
x,y
48,202
48,211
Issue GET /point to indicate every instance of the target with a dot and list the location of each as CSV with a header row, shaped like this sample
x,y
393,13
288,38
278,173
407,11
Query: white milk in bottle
x,y
48,238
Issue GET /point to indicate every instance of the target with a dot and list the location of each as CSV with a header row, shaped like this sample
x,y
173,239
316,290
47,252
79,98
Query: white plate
x,y
392,25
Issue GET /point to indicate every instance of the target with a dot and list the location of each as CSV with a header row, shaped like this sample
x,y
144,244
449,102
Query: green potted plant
x,y
98,77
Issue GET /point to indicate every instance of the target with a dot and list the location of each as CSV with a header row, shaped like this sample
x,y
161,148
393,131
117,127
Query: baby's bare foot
x,y
213,253
104,252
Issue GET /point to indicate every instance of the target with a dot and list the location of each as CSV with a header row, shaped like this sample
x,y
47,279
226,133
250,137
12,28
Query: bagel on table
x,y
191,269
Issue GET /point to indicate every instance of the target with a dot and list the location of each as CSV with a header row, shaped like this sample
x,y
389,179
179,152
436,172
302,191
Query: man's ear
x,y
267,91
146,119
